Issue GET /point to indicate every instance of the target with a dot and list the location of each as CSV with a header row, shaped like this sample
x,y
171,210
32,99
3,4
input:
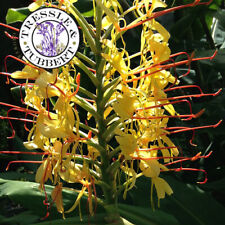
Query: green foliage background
x,y
200,29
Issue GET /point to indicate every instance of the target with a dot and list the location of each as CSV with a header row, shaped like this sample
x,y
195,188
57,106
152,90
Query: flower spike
x,y
131,102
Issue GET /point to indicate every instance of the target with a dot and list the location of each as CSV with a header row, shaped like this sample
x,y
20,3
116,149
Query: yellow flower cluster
x,y
141,104
130,108
56,127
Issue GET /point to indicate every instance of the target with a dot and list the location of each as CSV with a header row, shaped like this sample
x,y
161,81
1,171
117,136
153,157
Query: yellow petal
x,y
112,16
71,173
125,106
35,5
128,144
57,197
150,168
44,173
77,200
162,187
27,73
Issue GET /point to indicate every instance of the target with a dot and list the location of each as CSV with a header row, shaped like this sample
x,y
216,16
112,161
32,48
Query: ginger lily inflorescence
x,y
128,112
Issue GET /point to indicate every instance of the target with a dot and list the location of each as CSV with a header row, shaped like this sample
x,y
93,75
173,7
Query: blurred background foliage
x,y
200,30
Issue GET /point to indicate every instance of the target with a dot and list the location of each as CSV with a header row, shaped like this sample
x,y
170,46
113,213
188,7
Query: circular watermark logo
x,y
49,38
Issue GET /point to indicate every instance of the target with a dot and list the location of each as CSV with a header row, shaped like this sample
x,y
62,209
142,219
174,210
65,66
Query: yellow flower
x,y
151,168
71,173
35,5
51,126
28,72
162,187
112,16
44,172
116,59
127,142
57,198
125,105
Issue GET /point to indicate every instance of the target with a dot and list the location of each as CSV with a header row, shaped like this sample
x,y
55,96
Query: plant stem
x,y
107,176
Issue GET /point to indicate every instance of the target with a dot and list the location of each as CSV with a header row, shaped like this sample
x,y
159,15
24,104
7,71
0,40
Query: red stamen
x,y
23,84
13,130
191,96
78,85
20,110
19,119
198,156
26,153
21,161
190,116
192,139
45,173
167,66
10,36
154,149
89,100
19,60
161,13
45,202
25,123
89,134
187,62
13,118
9,105
192,169
92,70
48,108
30,112
10,27
168,103
182,159
183,87
183,129
6,74
61,91
190,59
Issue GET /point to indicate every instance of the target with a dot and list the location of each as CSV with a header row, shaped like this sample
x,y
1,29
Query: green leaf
x,y
178,30
189,204
97,219
220,15
144,216
28,195
24,218
216,185
17,15
17,176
